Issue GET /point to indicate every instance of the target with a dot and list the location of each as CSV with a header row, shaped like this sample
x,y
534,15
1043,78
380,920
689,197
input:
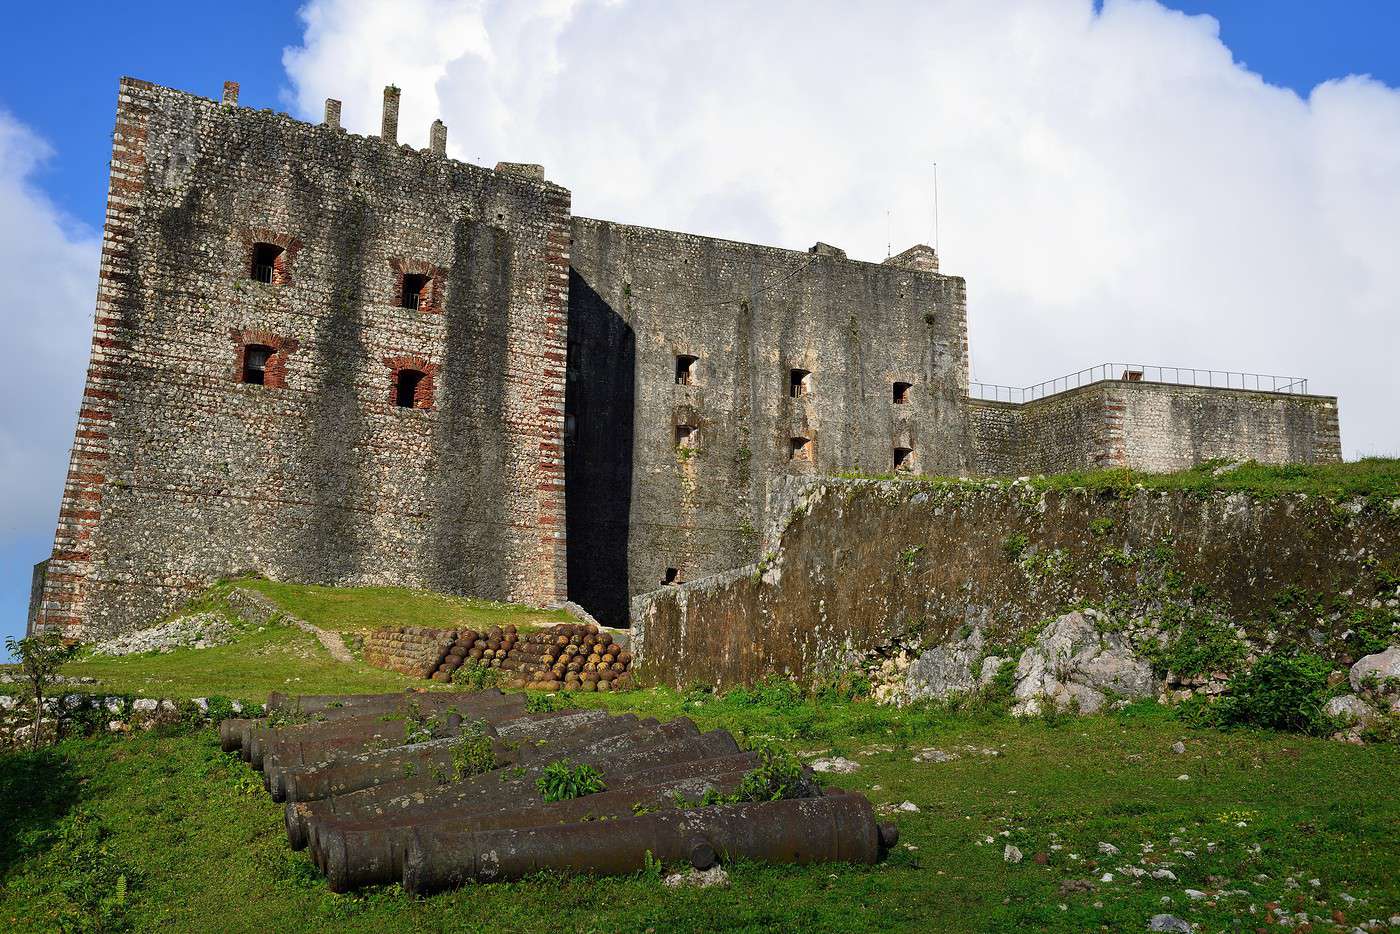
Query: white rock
x,y
112,704
945,670
1355,712
1178,747
934,755
1183,778
144,705
1382,667
1164,874
1012,854
8,702
699,878
1108,848
1073,662
1169,923
1194,894
202,703
1106,877
835,764
909,806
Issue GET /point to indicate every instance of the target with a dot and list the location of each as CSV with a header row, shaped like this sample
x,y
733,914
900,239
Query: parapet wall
x,y
1148,426
858,566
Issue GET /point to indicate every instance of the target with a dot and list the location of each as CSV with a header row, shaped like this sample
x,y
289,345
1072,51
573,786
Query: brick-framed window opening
x,y
406,385
685,369
901,393
800,449
904,459
687,436
417,285
671,577
267,257
411,382
799,382
260,357
255,358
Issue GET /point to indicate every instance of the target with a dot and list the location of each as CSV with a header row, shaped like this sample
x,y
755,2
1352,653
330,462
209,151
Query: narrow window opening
x,y
901,393
265,258
800,449
255,357
671,576
903,459
406,388
685,369
799,383
687,436
415,286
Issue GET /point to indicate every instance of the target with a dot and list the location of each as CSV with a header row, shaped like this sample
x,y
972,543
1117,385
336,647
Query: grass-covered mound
x,y
280,657
163,830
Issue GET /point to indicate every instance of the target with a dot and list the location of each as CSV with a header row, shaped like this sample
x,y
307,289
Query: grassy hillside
x,y
283,658
1256,820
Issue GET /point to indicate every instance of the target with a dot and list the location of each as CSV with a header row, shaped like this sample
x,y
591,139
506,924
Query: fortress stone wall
x,y
1149,426
331,358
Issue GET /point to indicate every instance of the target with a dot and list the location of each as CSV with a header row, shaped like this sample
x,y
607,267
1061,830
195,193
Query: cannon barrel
x,y
301,818
484,704
840,828
425,765
353,855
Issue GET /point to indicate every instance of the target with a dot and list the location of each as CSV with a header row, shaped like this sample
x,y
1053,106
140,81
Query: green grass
x,y
345,609
282,658
203,848
1373,478
277,658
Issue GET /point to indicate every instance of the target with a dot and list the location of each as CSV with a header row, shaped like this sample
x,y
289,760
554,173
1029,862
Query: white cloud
x,y
48,280
1112,186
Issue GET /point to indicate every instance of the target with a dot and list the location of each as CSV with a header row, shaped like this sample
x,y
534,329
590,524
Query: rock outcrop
x,y
1077,662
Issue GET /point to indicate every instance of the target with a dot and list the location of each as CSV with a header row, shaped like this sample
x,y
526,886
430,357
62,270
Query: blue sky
x,y
59,68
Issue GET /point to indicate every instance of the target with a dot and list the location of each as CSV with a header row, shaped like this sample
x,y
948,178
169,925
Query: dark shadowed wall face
x,y
185,469
706,367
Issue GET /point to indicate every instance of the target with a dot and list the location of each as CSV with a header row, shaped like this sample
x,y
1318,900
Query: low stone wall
x,y
862,569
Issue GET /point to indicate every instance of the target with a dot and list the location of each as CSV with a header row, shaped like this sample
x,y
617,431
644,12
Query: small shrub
x,y
473,752
548,703
1101,526
475,676
40,657
1015,545
562,781
1281,692
778,776
1202,642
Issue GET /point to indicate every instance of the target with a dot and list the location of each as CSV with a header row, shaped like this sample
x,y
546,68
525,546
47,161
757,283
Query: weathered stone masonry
x,y
182,472
331,358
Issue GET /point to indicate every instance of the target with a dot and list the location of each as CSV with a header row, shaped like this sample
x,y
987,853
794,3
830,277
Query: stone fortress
x,y
331,358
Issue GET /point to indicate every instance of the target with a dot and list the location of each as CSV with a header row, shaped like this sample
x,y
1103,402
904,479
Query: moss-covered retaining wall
x,y
858,566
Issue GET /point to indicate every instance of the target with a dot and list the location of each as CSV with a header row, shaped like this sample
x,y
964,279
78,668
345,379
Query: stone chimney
x,y
389,127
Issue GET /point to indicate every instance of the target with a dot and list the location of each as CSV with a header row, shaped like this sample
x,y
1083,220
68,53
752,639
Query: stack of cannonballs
x,y
410,650
572,657
490,648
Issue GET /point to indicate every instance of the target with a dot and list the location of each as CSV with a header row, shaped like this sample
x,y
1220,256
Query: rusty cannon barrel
x,y
301,818
690,779
323,743
354,855
840,828
424,765
306,704
480,705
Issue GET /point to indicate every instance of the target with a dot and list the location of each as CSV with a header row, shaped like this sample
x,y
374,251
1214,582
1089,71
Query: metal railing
x,y
1140,373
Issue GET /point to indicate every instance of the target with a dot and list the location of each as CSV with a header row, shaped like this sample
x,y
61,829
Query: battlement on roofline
x,y
917,258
